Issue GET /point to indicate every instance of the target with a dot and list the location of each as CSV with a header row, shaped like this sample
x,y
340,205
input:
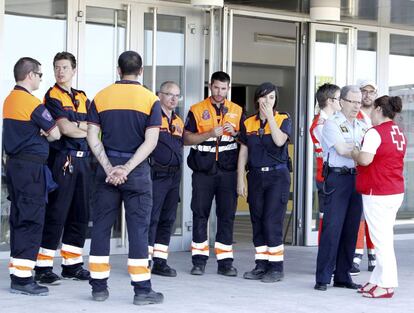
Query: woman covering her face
x,y
264,148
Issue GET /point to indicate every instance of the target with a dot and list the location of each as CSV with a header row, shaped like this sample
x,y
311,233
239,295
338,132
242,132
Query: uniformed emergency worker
x,y
264,141
166,162
343,205
27,128
129,117
328,102
211,129
68,208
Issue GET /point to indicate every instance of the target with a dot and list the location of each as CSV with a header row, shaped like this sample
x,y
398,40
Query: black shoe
x,y
371,268
100,295
163,269
230,271
255,274
47,277
31,289
350,285
355,270
78,274
320,287
198,270
151,297
272,276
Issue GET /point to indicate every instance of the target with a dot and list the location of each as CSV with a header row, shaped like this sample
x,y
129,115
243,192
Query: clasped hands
x,y
219,130
117,175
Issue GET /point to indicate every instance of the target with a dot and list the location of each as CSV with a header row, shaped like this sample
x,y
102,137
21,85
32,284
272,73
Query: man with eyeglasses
x,y
211,129
165,162
28,128
343,205
369,93
68,211
327,96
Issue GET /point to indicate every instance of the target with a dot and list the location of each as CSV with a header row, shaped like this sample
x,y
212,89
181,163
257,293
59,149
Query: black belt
x,y
165,169
77,154
269,168
119,154
343,170
29,157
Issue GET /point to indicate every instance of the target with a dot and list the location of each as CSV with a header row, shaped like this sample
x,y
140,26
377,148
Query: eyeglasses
x,y
369,92
38,73
352,101
171,95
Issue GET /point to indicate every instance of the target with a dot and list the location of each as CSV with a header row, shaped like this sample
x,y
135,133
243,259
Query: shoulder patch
x,y
46,115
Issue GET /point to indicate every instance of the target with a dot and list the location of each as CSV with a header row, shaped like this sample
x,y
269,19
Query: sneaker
x,y
100,295
77,274
230,271
151,297
163,269
31,289
355,270
255,274
272,276
198,270
47,277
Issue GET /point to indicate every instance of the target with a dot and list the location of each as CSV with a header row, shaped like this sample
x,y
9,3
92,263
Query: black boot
x,y
151,297
31,289
163,269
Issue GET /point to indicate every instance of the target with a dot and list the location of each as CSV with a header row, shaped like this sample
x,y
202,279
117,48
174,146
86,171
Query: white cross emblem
x,y
397,138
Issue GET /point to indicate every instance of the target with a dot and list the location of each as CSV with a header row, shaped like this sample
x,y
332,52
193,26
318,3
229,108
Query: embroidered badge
x,y
46,115
344,129
205,115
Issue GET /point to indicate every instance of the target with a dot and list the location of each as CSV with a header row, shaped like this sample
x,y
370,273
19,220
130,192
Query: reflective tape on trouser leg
x,y
21,267
160,251
261,253
45,257
200,248
71,255
276,253
223,251
99,266
138,270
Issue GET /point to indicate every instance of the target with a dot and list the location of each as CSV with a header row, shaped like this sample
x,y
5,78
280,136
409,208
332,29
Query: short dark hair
x,y
23,67
389,105
130,63
220,76
325,92
65,56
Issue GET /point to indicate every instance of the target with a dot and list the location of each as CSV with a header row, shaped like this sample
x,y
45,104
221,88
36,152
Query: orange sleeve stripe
x,y
44,257
135,270
99,267
125,97
66,101
19,105
69,255
218,251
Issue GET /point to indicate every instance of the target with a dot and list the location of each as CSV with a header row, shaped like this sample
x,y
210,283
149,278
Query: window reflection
x,y
366,57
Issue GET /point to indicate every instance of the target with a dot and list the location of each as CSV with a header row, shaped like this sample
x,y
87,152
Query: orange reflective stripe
x,y
135,270
218,251
66,101
99,267
276,253
69,255
206,248
44,257
22,268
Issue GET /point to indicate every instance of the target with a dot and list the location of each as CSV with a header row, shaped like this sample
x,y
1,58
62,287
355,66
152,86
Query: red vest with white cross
x,y
384,176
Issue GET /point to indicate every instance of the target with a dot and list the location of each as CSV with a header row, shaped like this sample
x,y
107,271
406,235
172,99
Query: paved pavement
x,y
214,293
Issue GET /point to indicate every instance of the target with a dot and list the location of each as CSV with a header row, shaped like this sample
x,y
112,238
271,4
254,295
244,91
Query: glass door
x,y
330,61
